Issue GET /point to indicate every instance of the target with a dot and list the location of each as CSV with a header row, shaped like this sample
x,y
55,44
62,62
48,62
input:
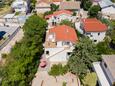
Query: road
x,y
16,38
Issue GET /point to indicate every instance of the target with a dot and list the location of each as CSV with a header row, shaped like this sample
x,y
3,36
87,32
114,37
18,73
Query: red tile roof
x,y
56,0
59,12
64,33
93,25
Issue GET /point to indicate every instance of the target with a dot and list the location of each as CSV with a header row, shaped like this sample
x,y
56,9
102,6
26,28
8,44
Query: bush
x,y
68,23
48,13
64,83
93,11
57,70
4,56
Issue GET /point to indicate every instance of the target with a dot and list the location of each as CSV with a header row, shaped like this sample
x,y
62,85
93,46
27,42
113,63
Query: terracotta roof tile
x,y
93,25
58,13
64,33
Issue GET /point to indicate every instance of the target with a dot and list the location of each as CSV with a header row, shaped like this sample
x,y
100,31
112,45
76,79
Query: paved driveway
x,y
43,79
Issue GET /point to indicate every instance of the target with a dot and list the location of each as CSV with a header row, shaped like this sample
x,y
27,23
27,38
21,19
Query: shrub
x,y
57,70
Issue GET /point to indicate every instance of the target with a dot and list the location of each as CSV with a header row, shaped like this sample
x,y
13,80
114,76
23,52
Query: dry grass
x,y
90,79
5,10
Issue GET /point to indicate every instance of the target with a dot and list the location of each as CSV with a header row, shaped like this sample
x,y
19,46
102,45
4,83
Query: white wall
x,y
58,54
58,19
78,27
59,44
53,51
23,8
42,10
97,37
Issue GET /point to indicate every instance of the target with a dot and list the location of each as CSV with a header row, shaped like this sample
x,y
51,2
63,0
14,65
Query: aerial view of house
x,y
94,29
57,43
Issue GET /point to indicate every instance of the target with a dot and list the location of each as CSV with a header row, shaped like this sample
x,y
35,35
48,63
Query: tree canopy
x,y
86,4
22,62
54,7
84,54
93,11
67,22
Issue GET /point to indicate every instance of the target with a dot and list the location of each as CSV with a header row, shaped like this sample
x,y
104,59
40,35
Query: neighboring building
x,y
21,6
105,70
42,6
107,9
13,20
70,5
92,28
55,18
59,43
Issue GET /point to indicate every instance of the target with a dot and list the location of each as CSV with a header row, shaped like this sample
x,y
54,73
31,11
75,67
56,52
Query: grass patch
x,y
90,79
4,10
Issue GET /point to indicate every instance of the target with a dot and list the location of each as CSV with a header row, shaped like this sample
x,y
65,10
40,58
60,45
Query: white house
x,y
92,28
59,43
20,5
42,7
70,5
107,9
55,18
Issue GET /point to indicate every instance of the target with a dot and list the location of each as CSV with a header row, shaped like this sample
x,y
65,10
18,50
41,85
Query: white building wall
x,y
58,54
78,27
52,51
59,44
42,10
94,36
23,7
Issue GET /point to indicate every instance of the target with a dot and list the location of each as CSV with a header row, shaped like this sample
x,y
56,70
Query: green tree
x,y
86,4
22,63
93,11
48,13
54,7
113,1
67,22
112,36
84,54
33,2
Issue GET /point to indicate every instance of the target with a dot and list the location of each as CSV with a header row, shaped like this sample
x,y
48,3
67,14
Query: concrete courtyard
x,y
44,79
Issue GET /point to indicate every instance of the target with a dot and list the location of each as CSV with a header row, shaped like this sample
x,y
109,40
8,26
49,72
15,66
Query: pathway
x,y
44,79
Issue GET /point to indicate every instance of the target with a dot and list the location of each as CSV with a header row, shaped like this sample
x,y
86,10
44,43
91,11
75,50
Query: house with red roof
x,y
94,29
59,43
58,16
43,6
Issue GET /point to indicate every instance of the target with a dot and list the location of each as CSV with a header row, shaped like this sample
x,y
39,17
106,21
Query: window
x,y
88,33
68,43
91,35
95,40
68,53
98,34
105,65
47,52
